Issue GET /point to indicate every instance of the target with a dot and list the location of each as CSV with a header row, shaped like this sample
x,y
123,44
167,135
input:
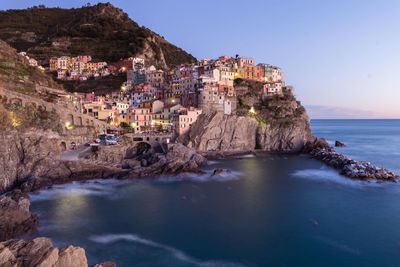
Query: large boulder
x,y
179,151
40,252
15,217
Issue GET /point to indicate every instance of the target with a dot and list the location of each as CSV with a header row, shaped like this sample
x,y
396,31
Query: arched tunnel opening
x,y
142,147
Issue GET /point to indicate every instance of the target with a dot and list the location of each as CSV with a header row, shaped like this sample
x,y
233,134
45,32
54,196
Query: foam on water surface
x,y
176,253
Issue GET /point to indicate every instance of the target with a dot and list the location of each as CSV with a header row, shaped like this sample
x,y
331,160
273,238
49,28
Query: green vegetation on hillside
x,y
103,86
17,74
281,110
13,116
103,31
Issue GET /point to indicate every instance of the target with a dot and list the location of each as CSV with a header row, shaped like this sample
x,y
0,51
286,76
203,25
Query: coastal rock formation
x,y
68,171
31,160
40,252
277,123
15,216
178,158
219,132
321,150
232,133
27,154
290,137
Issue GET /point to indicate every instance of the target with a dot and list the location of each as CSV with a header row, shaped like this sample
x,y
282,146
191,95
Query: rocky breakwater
x,y
273,124
321,150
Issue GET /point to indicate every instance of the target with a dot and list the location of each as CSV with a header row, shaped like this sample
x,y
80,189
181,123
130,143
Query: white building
x,y
273,88
122,107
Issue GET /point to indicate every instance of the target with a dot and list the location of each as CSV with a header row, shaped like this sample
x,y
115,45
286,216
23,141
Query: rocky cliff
x,y
27,154
15,216
275,124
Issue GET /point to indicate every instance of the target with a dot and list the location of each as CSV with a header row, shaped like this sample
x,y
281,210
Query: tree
x,y
124,125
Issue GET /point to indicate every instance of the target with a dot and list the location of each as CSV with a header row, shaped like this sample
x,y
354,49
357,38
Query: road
x,y
73,155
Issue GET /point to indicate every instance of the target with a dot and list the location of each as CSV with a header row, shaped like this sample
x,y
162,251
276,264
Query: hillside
x,y
102,30
18,75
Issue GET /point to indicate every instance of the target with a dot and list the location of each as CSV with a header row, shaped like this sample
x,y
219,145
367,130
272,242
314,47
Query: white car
x,y
111,140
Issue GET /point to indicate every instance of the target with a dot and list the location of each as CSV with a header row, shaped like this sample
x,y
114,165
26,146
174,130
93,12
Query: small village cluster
x,y
31,61
156,100
77,68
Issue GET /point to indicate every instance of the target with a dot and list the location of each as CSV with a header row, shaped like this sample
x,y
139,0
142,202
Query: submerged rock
x,y
106,264
339,144
220,172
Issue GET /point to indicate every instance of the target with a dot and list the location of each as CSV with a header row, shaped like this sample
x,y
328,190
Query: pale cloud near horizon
x,y
334,112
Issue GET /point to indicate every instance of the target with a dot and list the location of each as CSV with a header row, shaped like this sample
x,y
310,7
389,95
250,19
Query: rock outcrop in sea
x,y
279,124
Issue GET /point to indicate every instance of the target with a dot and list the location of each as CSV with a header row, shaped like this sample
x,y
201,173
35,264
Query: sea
x,y
277,210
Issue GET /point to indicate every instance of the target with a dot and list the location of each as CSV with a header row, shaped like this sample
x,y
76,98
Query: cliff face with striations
x,y
289,137
27,154
280,124
219,132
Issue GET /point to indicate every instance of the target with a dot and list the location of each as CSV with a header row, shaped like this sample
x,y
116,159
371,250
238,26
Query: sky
x,y
342,57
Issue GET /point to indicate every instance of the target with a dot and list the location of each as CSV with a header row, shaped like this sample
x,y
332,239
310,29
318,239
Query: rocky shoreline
x,y
41,252
120,162
123,162
321,150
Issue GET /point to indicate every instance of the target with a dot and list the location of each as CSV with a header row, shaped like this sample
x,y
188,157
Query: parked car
x,y
107,139
111,140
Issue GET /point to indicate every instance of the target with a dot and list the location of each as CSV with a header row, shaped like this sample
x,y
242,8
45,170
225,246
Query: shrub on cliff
x,y
18,117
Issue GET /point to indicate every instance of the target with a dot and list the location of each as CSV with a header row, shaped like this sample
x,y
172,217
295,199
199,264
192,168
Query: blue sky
x,y
342,57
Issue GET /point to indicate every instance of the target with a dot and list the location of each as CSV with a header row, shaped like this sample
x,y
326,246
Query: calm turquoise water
x,y
273,211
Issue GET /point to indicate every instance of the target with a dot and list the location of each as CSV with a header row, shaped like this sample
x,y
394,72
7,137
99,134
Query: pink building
x,y
185,119
140,119
84,58
86,97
